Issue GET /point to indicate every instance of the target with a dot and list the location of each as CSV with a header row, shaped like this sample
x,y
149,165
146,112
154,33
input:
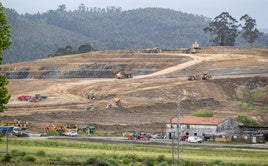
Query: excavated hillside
x,y
239,85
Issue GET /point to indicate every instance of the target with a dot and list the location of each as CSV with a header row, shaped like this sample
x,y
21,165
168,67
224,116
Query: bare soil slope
x,y
149,99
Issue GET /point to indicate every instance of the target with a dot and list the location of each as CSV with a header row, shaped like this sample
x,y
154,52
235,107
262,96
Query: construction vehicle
x,y
200,76
17,123
87,128
152,50
194,49
91,95
196,46
117,102
71,126
40,96
16,131
123,74
59,128
24,98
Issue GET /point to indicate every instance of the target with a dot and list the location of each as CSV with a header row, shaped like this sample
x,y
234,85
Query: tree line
x,y
68,50
60,32
225,29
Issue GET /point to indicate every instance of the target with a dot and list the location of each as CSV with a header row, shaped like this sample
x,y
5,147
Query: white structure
x,y
200,126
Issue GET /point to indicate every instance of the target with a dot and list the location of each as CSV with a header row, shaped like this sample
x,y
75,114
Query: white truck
x,y
194,139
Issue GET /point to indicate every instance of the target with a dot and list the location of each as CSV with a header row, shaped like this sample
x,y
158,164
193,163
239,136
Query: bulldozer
x,y
123,74
200,76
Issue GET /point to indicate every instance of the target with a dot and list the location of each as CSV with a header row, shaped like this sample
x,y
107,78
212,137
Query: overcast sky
x,y
257,9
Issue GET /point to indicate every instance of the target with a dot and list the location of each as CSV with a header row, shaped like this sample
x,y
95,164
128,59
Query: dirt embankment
x,y
150,98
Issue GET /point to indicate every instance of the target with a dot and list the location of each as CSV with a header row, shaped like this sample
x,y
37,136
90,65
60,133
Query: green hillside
x,y
36,36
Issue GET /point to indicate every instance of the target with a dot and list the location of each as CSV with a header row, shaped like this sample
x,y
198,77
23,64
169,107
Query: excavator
x,y
193,50
59,128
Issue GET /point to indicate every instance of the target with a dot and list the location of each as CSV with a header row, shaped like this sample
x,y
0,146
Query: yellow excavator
x,y
193,50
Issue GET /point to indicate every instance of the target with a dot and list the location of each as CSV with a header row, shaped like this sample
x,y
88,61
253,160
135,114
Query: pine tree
x,y
5,42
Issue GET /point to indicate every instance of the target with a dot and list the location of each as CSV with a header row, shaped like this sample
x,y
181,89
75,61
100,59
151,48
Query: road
x,y
124,140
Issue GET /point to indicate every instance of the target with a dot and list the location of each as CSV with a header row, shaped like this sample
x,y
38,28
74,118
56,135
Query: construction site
x,y
127,91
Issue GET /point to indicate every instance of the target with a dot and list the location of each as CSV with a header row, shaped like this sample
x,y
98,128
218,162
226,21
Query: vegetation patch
x,y
257,94
203,113
246,120
245,106
54,152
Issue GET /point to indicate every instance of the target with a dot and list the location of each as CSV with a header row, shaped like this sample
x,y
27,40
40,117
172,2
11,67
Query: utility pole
x,y
179,131
7,140
172,137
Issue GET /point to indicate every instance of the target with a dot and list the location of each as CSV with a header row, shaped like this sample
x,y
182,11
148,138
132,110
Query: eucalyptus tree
x,y
249,31
224,29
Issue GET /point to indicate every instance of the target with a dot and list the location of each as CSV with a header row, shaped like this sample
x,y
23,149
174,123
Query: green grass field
x,y
65,152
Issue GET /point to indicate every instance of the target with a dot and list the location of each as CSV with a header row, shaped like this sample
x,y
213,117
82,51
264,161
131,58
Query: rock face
x,y
92,65
60,74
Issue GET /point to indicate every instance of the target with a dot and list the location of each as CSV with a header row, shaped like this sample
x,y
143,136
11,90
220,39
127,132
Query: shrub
x,y
203,113
257,94
69,161
16,152
6,158
149,161
90,161
29,158
126,160
17,160
163,163
246,120
41,153
217,163
245,106
112,161
160,158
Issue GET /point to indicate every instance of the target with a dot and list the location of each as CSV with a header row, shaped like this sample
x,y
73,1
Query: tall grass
x,y
66,152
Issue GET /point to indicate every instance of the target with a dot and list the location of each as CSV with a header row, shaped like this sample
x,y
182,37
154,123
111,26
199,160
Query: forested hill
x,y
35,36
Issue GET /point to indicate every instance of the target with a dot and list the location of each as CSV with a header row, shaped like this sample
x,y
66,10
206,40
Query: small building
x,y
201,126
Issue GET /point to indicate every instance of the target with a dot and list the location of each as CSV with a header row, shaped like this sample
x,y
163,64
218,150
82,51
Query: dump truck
x,y
200,76
123,74
24,98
